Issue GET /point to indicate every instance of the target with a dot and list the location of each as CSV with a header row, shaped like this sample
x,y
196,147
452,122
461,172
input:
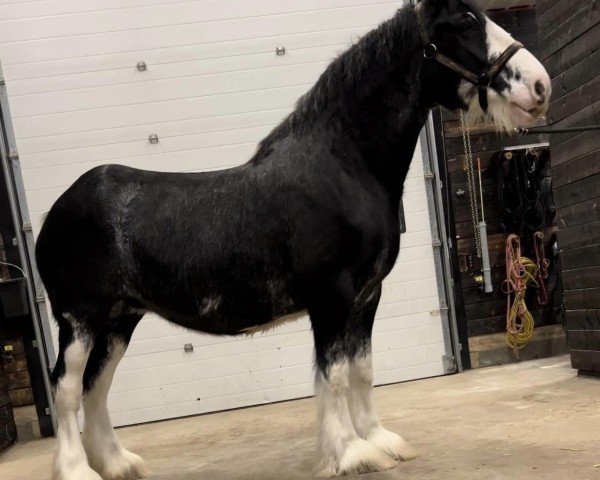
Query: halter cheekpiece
x,y
482,81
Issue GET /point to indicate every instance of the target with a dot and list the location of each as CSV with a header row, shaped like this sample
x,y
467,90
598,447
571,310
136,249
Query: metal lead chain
x,y
471,182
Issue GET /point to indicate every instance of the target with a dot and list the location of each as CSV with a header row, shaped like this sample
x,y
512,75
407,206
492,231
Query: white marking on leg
x,y
104,451
343,451
364,415
71,462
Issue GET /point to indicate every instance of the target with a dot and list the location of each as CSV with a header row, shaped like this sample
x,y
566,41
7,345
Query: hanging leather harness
x,y
482,81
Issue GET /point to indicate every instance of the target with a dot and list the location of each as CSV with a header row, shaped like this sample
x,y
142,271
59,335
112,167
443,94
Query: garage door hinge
x,y
450,365
13,155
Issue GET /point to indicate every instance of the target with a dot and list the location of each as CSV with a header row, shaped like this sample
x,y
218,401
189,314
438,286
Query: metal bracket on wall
x,y
450,365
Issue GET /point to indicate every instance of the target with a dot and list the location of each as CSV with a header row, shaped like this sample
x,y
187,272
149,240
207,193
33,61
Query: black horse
x,y
310,223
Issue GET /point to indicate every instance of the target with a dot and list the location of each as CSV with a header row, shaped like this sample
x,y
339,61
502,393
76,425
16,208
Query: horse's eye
x,y
468,22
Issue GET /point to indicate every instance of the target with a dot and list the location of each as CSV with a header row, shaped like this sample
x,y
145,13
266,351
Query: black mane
x,y
385,48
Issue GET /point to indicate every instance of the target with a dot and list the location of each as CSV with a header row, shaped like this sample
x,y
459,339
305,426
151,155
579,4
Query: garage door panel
x,y
115,152
196,407
227,124
435,352
407,290
411,254
220,53
410,238
411,325
414,202
415,270
392,340
192,34
28,9
416,167
184,161
141,362
157,112
172,393
152,326
195,69
164,90
210,347
405,357
211,361
171,340
219,367
394,309
417,221
171,337
391,375
413,184
153,16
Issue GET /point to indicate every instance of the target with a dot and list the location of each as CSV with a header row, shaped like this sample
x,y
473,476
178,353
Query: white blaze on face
x,y
527,95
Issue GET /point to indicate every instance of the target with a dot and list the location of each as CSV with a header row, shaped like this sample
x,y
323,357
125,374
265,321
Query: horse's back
x,y
183,245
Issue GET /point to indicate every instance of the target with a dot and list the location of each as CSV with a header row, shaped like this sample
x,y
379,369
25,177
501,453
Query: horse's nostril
x,y
539,87
540,90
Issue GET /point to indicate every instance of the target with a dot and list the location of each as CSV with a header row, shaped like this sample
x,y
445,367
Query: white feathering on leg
x,y
343,451
105,453
364,415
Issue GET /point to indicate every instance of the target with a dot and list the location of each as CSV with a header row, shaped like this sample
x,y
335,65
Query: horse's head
x,y
488,74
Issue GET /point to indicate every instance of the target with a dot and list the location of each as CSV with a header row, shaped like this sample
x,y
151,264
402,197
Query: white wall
x,y
214,87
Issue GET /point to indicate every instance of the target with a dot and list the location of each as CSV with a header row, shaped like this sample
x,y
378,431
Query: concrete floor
x,y
531,420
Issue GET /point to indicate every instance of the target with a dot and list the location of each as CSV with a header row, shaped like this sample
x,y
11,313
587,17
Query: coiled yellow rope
x,y
520,272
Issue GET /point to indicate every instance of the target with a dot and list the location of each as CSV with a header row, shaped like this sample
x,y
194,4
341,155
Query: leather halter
x,y
484,80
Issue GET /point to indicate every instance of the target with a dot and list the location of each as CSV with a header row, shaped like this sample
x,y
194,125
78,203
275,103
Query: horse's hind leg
x,y
104,451
362,407
76,344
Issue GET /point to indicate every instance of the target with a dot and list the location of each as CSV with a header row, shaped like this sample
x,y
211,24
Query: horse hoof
x,y
81,471
360,456
124,466
392,444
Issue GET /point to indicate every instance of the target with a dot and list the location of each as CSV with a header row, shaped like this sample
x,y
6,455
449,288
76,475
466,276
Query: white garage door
x,y
212,89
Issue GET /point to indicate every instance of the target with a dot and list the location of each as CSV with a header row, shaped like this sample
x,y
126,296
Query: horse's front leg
x,y
343,450
361,402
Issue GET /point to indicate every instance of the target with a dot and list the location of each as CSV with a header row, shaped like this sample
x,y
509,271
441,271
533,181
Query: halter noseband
x,y
482,81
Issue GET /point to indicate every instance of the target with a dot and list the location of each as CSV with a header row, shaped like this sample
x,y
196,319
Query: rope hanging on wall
x,y
522,272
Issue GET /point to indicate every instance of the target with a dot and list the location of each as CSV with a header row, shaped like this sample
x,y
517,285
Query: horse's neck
x,y
373,94
384,106
385,128
388,136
